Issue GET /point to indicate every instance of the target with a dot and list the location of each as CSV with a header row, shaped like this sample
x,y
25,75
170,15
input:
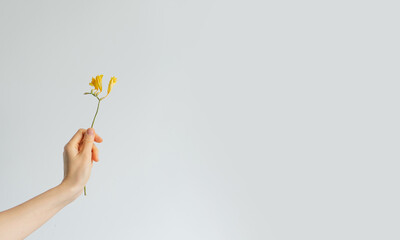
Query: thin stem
x,y
98,105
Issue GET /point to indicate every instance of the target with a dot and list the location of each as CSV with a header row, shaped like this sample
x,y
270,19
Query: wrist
x,y
71,191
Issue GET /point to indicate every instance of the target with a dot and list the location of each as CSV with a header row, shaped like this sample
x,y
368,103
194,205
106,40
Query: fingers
x,y
87,142
73,144
97,138
76,139
95,153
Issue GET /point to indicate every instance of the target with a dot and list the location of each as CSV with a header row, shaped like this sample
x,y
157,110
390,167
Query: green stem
x,y
98,105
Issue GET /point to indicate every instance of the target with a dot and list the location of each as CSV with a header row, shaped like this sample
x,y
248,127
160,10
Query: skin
x,y
79,154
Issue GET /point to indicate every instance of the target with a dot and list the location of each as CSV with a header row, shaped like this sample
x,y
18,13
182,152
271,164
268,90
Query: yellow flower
x,y
98,88
113,80
97,83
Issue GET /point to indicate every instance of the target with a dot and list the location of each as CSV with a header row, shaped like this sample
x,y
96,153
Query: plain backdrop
x,y
250,120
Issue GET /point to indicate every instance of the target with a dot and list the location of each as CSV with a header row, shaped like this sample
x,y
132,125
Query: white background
x,y
230,119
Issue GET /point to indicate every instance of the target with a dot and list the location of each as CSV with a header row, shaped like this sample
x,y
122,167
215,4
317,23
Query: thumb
x,y
88,139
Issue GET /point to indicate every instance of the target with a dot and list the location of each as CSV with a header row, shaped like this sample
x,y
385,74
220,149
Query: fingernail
x,y
90,132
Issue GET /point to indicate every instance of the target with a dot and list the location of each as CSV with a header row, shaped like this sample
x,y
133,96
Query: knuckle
x,y
67,147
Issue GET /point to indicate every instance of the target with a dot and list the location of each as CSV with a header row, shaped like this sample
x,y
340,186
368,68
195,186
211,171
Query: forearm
x,y
22,220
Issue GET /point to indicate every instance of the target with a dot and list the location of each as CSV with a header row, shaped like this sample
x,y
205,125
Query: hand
x,y
79,154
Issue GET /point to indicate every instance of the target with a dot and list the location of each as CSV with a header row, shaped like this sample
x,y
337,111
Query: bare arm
x,y
79,154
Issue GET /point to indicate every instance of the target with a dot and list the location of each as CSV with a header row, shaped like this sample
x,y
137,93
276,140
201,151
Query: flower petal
x,y
94,83
113,80
99,82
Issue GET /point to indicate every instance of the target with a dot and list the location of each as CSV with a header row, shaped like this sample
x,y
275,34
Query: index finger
x,y
97,138
77,138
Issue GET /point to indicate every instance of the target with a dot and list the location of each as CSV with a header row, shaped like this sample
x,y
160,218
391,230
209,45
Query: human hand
x,y
79,154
